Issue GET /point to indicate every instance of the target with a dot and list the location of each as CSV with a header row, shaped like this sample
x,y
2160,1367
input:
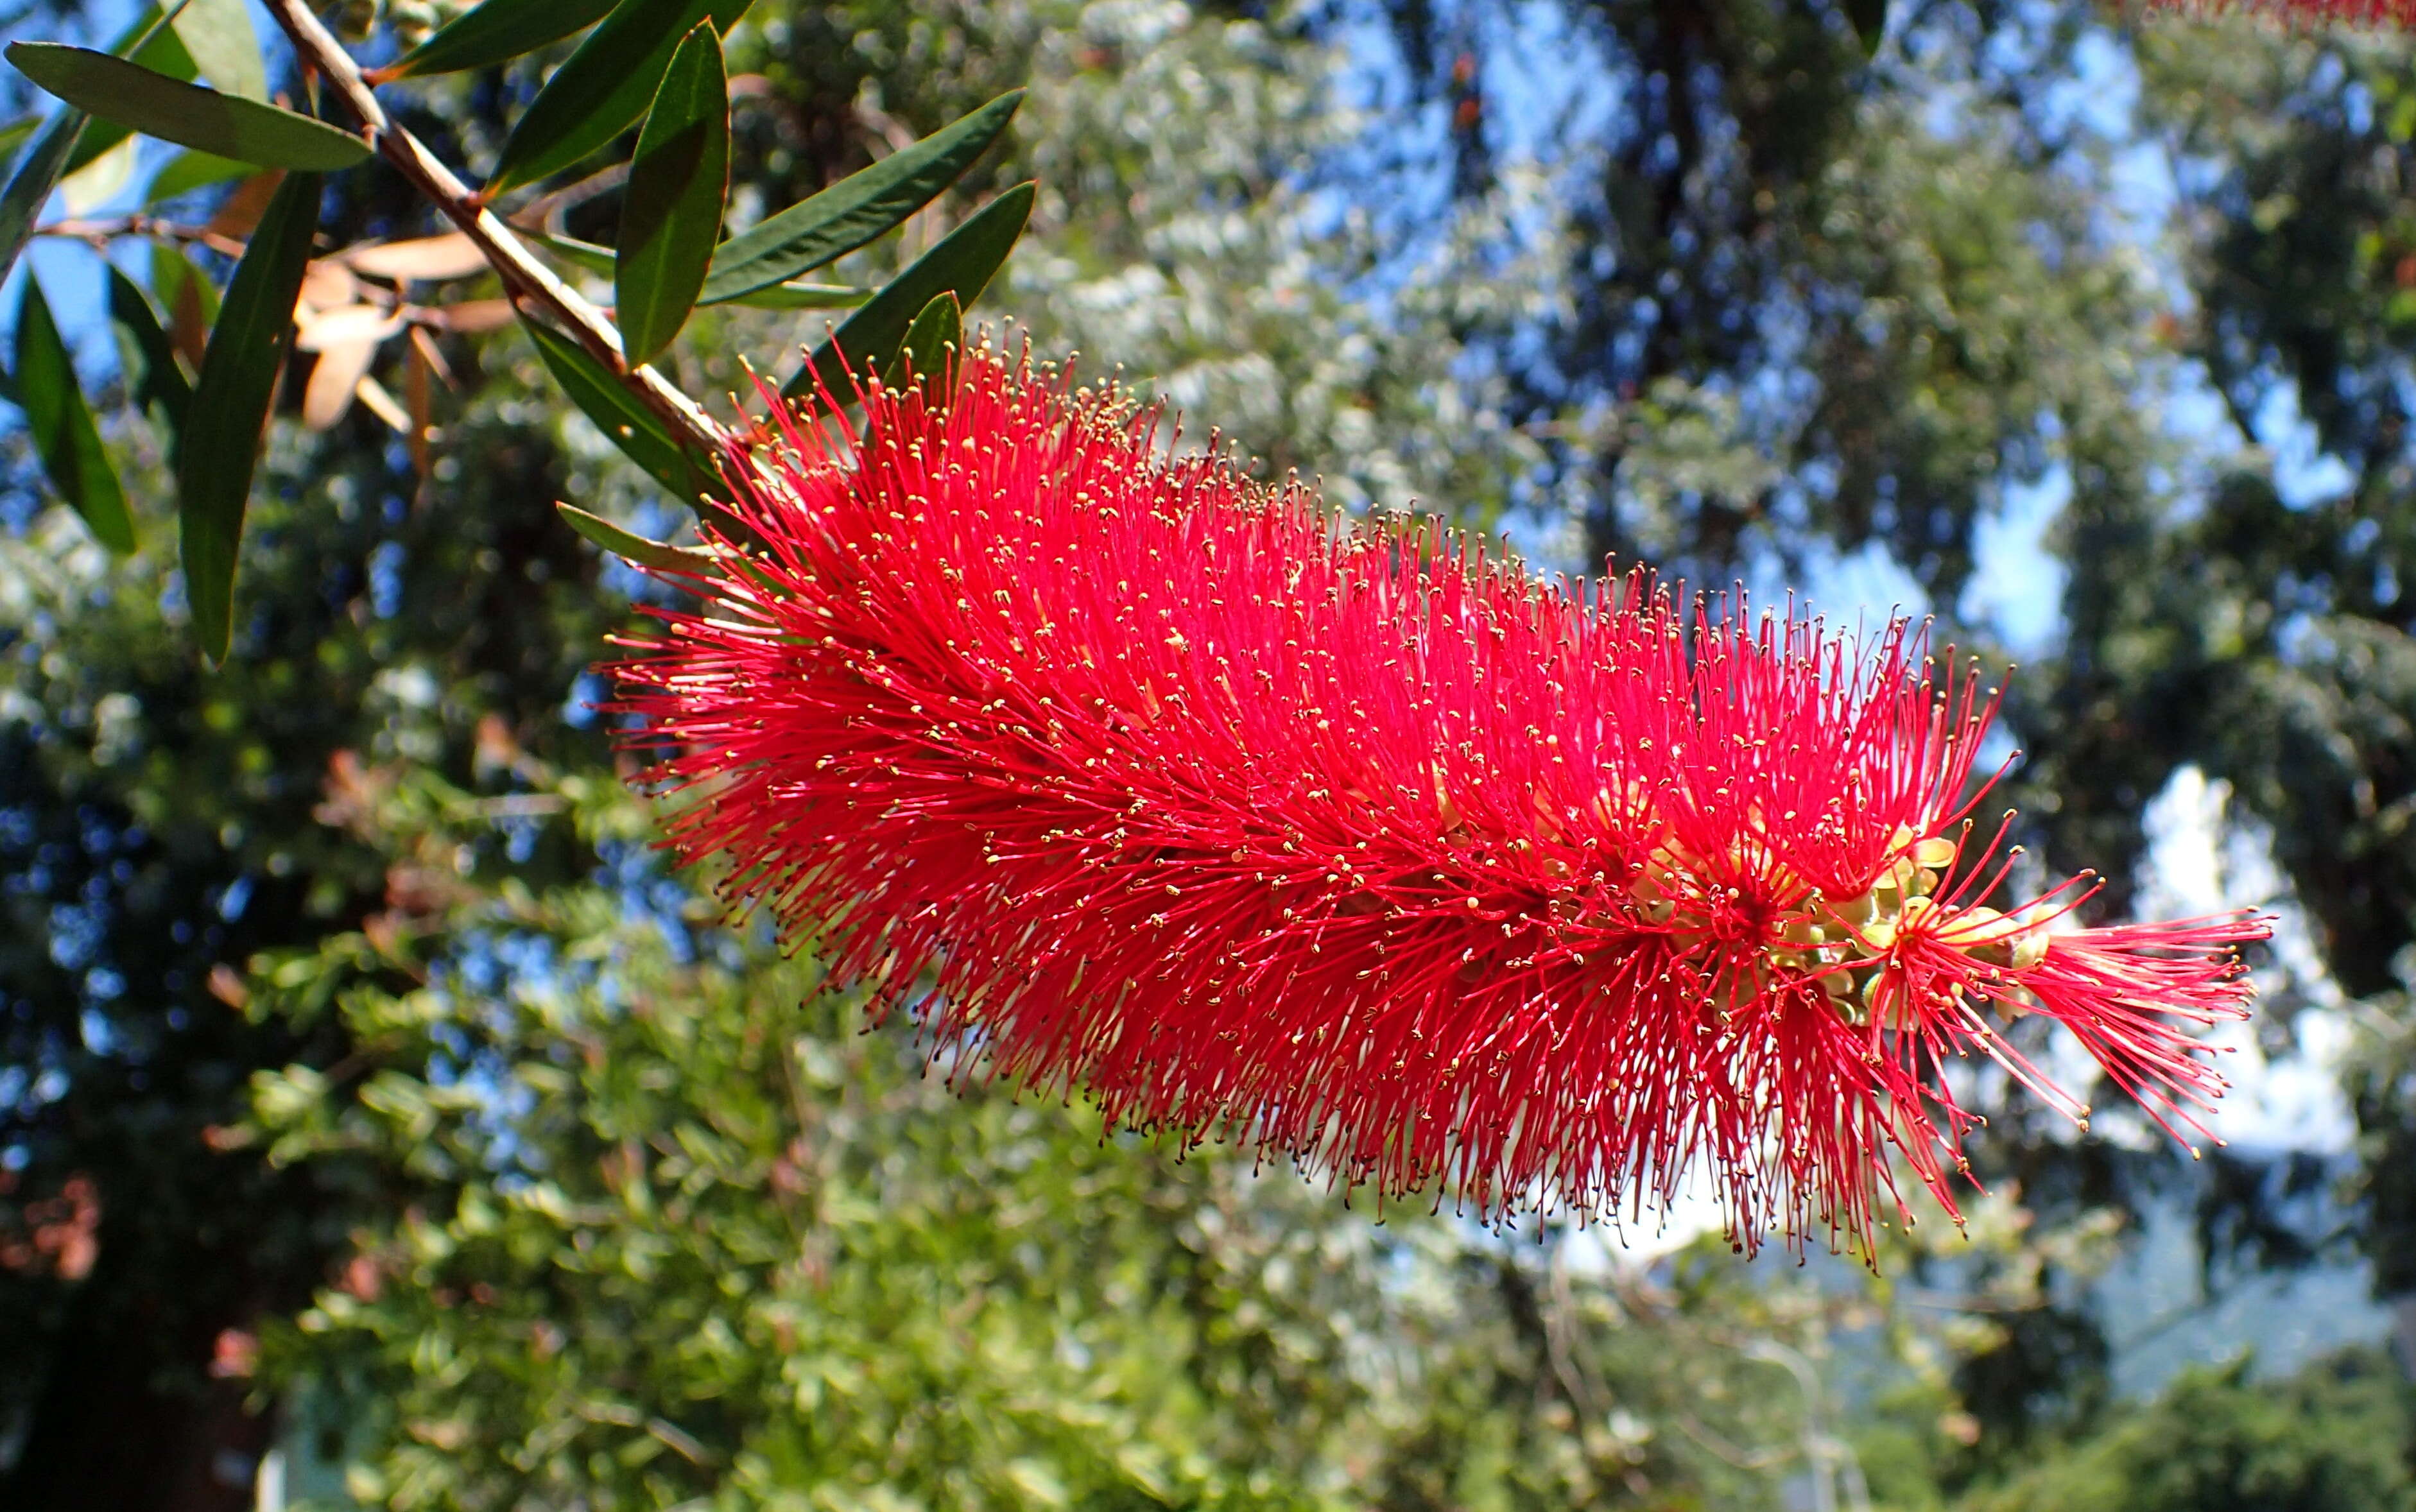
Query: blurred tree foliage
x,y
347,1021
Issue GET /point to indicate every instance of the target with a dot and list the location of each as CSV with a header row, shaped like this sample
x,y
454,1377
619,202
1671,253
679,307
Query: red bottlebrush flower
x,y
1367,848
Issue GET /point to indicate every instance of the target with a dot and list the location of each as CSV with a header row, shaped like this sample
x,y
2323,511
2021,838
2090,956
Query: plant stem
x,y
522,273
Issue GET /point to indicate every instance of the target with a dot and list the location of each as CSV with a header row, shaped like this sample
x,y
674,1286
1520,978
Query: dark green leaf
x,y
962,264
637,549
61,425
1870,22
225,50
497,32
29,188
152,375
191,170
187,114
934,342
635,429
222,437
603,86
54,151
855,210
672,212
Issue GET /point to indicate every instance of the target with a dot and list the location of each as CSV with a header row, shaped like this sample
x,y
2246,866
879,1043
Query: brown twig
x,y
102,228
522,273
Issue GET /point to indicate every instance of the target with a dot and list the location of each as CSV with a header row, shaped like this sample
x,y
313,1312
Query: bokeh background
x,y
381,1125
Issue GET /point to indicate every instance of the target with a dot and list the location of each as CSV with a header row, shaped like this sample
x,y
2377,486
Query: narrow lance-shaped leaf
x,y
588,257
29,186
672,211
934,342
962,264
496,31
855,210
225,49
238,381
61,425
629,425
14,135
190,171
603,86
152,376
186,114
164,53
635,548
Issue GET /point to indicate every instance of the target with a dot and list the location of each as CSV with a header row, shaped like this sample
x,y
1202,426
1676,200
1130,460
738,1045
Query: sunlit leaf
x,y
62,426
187,114
430,258
603,86
962,264
855,210
239,380
224,47
672,211
497,32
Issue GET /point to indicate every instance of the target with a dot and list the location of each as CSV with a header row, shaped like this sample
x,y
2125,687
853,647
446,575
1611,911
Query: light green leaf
x,y
855,210
13,136
221,444
152,376
191,170
224,48
637,549
62,426
962,264
672,211
585,255
629,425
187,114
496,31
803,297
603,86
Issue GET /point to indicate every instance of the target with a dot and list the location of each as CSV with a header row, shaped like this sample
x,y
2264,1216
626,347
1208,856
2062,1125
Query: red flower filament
x,y
1159,784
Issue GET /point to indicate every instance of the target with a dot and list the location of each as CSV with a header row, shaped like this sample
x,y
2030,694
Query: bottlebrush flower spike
x,y
1163,785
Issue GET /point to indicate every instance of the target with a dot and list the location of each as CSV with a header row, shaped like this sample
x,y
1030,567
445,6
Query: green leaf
x,y
152,375
224,48
55,151
962,264
637,549
186,114
672,211
934,342
158,50
585,255
62,426
855,210
630,426
190,171
603,86
803,297
497,32
222,437
13,135
1869,18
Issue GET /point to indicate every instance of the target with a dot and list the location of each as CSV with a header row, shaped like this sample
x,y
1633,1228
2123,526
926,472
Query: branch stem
x,y
522,273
